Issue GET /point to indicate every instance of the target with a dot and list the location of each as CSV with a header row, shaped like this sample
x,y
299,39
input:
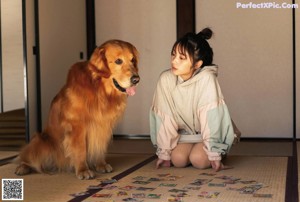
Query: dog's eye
x,y
133,60
118,61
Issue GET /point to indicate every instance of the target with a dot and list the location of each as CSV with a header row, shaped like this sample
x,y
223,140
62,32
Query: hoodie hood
x,y
198,74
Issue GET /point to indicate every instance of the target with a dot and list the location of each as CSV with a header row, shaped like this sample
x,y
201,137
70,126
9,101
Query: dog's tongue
x,y
131,90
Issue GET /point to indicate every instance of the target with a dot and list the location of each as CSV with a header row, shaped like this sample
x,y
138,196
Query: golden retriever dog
x,y
83,114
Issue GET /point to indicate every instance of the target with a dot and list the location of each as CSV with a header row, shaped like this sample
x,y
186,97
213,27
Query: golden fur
x,y
83,114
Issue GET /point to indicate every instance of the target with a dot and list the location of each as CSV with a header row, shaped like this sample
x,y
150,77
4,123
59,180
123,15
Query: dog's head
x,y
117,62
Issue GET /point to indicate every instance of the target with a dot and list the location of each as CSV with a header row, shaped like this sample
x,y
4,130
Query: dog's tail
x,y
40,154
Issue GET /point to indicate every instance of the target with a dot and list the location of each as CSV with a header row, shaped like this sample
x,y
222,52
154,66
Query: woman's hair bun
x,y
206,33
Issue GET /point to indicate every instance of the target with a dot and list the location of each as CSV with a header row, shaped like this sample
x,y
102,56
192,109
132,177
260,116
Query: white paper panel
x,y
253,48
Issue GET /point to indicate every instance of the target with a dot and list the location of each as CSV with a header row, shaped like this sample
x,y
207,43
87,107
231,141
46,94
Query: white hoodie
x,y
190,111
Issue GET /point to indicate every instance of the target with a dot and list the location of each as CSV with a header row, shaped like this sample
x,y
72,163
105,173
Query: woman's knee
x,y
199,161
180,155
179,160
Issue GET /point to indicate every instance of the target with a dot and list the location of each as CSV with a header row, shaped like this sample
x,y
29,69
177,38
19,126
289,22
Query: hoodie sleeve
x,y
163,133
216,126
163,127
216,129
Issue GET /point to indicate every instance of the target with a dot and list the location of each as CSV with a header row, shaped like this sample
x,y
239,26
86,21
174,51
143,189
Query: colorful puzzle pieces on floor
x,y
172,188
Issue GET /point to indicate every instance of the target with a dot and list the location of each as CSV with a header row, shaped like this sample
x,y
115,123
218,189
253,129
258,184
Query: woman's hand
x,y
218,165
163,163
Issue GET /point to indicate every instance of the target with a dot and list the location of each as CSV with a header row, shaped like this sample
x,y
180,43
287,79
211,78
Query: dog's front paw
x,y
23,169
106,168
85,175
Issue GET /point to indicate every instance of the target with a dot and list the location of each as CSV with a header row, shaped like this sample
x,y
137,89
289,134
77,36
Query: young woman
x,y
189,120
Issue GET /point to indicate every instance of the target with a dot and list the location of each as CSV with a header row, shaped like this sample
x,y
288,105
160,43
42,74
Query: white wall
x,y
151,27
12,55
253,48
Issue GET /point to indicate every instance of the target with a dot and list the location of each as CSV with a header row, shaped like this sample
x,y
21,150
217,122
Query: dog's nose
x,y
135,79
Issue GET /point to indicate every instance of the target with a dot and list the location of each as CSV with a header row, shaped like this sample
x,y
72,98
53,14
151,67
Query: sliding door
x,y
62,30
12,69
253,48
151,27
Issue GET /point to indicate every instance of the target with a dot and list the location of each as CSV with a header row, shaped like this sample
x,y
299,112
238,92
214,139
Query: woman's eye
x,y
119,61
182,57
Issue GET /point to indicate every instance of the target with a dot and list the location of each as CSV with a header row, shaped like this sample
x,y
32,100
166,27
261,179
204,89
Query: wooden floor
x,y
12,129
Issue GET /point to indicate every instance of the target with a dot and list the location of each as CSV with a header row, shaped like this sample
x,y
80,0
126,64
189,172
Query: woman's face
x,y
181,64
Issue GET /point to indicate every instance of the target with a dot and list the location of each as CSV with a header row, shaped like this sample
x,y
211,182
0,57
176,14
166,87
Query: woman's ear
x,y
198,64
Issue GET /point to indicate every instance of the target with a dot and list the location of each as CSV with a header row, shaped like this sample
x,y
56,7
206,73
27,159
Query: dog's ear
x,y
99,62
136,56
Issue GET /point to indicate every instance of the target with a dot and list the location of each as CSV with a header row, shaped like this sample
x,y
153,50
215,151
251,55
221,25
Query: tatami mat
x,y
266,163
58,187
7,154
261,148
267,171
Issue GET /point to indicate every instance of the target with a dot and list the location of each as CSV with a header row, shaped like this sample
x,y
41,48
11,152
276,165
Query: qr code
x,y
12,189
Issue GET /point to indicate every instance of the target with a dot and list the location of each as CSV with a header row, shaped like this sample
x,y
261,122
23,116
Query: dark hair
x,y
196,46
